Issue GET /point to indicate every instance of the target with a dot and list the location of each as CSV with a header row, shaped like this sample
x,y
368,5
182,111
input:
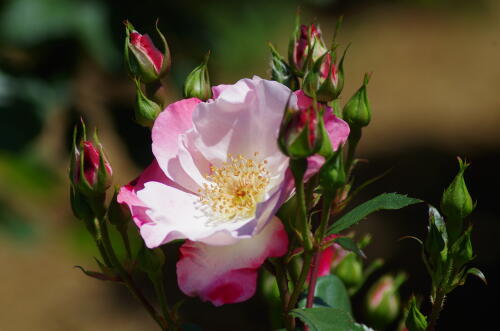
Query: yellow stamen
x,y
233,190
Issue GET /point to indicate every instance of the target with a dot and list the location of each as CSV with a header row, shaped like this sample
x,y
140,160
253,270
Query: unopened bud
x,y
281,71
142,57
382,302
299,135
332,174
197,84
306,46
415,320
90,171
357,111
456,202
350,270
146,110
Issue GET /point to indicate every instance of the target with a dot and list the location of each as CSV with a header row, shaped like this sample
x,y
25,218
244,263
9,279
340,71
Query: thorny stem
x,y
437,306
325,218
102,231
282,281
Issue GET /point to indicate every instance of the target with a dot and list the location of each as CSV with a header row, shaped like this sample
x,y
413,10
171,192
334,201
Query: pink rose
x,y
217,181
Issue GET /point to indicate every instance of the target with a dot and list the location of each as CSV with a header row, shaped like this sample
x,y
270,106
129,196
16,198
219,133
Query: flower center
x,y
233,190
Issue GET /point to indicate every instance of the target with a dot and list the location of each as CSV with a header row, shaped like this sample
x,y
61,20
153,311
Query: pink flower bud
x,y
299,135
143,58
305,39
91,165
144,45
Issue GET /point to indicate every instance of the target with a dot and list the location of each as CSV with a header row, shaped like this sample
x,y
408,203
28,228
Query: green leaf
x,y
350,245
330,292
322,319
476,272
383,201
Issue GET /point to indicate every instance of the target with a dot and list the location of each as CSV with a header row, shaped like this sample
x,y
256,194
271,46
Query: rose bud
x,y
456,202
332,174
146,110
415,320
299,135
357,111
90,171
303,40
197,84
350,270
382,302
142,57
331,78
281,71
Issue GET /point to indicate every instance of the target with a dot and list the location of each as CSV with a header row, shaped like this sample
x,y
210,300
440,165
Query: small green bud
x,y
382,302
281,71
197,84
146,110
415,321
456,202
332,174
350,270
357,111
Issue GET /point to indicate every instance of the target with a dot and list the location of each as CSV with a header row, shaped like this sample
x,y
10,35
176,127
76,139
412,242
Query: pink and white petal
x,y
128,196
173,121
228,274
246,120
338,130
217,90
177,214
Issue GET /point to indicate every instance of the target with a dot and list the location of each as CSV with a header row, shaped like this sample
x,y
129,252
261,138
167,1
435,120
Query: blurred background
x,y
434,94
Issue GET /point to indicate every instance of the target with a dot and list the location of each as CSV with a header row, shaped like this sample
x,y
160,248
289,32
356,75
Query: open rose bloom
x,y
217,180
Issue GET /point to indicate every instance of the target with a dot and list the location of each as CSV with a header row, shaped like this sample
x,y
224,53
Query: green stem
x,y
354,138
126,243
282,281
300,283
160,293
325,218
298,168
126,278
437,306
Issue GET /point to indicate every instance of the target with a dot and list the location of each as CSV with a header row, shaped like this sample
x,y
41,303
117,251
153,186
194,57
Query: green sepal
x,y
456,202
415,320
357,111
436,243
197,84
281,71
146,110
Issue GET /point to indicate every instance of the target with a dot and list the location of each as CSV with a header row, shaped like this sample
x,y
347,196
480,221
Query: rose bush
x,y
217,180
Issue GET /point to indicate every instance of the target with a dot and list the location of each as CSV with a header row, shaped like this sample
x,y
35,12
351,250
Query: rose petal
x,y
338,130
244,119
175,120
228,274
